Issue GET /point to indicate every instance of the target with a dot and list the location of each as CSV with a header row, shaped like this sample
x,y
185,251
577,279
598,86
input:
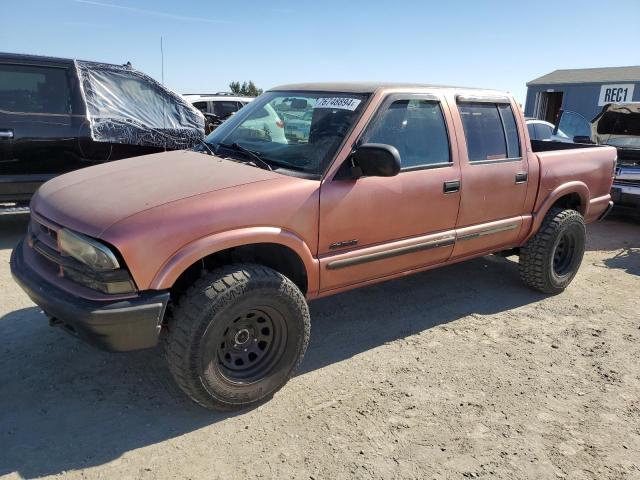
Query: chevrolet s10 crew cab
x,y
216,250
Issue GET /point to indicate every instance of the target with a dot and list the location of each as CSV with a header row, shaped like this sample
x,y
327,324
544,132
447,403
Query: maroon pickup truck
x,y
217,250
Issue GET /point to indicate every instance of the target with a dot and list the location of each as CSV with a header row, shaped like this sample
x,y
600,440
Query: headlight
x,y
93,254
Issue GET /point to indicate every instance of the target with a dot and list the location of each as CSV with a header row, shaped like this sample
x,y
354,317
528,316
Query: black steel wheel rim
x,y
564,253
251,344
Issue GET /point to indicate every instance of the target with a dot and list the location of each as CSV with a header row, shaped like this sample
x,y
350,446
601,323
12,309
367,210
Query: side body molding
x,y
546,202
194,251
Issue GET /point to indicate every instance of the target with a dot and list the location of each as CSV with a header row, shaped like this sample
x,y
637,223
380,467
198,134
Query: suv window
x,y
416,128
32,89
225,108
202,106
490,130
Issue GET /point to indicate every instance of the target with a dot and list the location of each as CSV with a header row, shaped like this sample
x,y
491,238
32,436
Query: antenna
x,y
164,101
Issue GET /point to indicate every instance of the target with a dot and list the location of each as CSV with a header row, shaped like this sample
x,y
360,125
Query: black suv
x,y
58,115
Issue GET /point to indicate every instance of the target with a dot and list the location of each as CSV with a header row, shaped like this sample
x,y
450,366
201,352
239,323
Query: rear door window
x,y
490,131
225,108
202,106
34,89
532,132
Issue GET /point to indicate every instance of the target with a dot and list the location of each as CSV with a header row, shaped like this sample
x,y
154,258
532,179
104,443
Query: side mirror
x,y
375,160
582,139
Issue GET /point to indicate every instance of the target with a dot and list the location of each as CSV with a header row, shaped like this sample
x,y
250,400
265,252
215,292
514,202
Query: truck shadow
x,y
66,406
619,235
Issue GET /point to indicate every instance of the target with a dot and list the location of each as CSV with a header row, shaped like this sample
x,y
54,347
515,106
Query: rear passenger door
x,y
494,175
373,227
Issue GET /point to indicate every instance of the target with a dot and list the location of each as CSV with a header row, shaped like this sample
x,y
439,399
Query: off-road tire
x,y
197,343
560,229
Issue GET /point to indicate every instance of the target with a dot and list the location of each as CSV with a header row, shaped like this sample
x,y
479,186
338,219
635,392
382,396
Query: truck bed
x,y
588,169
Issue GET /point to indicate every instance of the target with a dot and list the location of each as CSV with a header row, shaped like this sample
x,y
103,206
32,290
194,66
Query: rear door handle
x,y
6,133
521,177
451,186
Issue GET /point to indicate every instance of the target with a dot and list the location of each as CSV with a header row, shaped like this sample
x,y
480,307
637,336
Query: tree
x,y
246,89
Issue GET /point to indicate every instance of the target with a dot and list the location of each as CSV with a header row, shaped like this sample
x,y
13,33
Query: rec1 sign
x,y
622,92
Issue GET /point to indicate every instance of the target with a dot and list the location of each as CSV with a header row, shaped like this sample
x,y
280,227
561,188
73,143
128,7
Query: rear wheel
x,y
236,336
551,258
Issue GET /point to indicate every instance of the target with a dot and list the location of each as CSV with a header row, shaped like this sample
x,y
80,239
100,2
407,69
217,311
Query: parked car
x,y
216,107
59,115
617,125
298,128
539,129
220,254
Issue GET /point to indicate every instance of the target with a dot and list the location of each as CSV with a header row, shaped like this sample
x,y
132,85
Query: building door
x,y
548,105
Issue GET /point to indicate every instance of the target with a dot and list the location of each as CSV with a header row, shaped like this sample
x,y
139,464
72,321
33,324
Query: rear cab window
x,y
490,131
34,89
415,125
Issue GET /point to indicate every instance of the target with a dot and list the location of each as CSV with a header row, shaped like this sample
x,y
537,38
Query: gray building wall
x,y
577,97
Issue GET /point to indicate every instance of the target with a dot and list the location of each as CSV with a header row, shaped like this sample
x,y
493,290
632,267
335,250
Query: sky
x,y
207,44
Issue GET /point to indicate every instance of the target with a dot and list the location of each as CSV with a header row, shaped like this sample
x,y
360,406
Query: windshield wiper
x,y
206,146
255,158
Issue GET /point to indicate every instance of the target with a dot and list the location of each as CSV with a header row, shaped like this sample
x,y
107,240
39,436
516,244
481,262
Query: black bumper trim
x,y
113,325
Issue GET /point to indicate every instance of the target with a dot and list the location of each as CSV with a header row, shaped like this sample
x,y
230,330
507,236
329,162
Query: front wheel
x,y
551,258
237,336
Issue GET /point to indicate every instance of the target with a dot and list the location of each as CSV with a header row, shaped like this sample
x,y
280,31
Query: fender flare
x,y
560,191
198,249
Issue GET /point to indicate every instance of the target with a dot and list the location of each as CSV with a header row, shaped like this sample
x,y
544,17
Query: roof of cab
x,y
365,87
26,58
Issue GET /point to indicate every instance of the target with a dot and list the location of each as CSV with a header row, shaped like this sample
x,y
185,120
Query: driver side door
x,y
374,227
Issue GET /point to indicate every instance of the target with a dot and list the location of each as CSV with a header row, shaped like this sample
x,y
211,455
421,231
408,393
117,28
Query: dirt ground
x,y
456,373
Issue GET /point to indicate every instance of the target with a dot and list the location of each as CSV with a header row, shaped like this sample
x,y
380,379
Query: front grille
x,y
44,232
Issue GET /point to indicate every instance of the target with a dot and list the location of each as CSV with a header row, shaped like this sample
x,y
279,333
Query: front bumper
x,y
626,197
114,325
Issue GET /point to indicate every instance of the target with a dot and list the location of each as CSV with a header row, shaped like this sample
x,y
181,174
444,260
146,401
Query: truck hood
x,y
92,199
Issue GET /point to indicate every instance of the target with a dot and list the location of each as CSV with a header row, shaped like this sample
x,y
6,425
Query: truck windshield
x,y
298,131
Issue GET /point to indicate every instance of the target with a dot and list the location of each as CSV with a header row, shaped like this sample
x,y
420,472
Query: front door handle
x,y
521,177
451,186
6,134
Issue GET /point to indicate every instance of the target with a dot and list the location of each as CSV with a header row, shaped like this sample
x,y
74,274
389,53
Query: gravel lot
x,y
455,373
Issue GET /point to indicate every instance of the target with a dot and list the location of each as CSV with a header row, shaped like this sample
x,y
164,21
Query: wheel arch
x,y
574,195
274,247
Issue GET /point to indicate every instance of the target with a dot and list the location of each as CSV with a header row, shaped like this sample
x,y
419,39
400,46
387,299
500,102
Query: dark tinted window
x,y
510,130
543,132
32,89
532,132
483,131
202,106
224,109
416,128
